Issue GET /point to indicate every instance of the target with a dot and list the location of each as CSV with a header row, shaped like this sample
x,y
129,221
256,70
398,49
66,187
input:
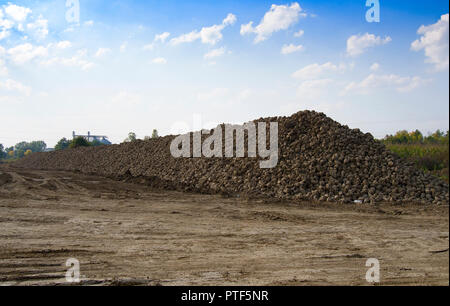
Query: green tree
x,y
38,146
416,137
34,146
131,137
155,133
62,144
22,146
3,154
20,153
79,142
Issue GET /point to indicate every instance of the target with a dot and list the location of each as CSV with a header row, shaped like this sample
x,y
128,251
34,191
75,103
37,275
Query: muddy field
x,y
125,233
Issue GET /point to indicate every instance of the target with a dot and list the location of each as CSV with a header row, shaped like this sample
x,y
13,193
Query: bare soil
x,y
130,234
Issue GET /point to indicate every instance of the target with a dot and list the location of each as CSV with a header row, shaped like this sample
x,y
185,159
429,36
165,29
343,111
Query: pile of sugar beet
x,y
319,160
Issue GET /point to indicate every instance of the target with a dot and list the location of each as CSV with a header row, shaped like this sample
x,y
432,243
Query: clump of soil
x,y
319,159
5,178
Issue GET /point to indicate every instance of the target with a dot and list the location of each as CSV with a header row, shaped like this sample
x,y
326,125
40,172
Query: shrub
x,y
428,157
131,137
79,142
155,133
3,154
62,144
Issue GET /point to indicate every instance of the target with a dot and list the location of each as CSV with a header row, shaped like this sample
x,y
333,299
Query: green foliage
x,y
155,133
79,142
34,146
131,137
416,137
19,153
3,154
62,144
430,153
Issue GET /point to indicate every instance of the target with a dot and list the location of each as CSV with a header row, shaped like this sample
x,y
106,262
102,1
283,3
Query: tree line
x,y
416,137
22,149
64,143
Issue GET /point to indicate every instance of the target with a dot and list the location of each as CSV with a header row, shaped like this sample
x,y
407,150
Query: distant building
x,y
102,139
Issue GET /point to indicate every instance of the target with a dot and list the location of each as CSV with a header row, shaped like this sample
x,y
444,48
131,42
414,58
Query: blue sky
x,y
139,65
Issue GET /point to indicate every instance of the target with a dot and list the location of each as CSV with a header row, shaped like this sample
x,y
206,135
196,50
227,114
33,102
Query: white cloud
x,y
89,23
279,17
11,85
434,41
63,44
14,16
40,27
211,35
185,38
17,13
162,37
102,52
229,20
374,81
375,67
208,35
299,33
5,23
215,53
316,70
4,34
159,60
26,52
313,89
77,60
5,26
358,44
287,49
247,28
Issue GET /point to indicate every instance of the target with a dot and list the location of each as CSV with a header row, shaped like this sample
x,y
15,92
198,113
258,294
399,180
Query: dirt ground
x,y
129,234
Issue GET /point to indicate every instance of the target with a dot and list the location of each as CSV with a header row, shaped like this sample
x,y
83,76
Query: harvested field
x,y
319,160
128,233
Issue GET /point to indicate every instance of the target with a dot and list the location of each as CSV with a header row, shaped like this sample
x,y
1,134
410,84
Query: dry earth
x,y
125,233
